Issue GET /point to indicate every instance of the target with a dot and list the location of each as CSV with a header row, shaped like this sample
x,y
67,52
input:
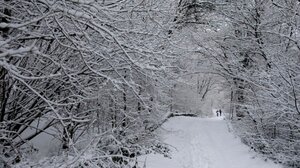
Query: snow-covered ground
x,y
204,143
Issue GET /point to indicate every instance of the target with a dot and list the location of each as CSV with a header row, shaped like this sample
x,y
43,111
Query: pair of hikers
x,y
219,112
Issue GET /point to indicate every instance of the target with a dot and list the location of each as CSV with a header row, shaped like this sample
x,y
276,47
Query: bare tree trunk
x,y
231,104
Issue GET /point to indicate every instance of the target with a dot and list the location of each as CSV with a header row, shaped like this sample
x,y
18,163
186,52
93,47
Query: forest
x,y
89,83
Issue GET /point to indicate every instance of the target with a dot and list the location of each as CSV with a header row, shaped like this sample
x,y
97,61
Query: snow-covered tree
x,y
84,72
257,56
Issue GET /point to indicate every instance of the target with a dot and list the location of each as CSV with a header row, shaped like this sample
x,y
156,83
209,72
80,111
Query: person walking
x,y
220,111
217,113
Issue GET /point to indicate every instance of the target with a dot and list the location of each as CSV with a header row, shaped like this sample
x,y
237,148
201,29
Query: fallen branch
x,y
182,114
170,115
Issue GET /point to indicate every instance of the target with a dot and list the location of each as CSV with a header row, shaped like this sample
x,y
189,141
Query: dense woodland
x,y
99,77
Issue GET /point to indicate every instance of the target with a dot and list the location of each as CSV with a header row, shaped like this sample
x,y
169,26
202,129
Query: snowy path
x,y
204,143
